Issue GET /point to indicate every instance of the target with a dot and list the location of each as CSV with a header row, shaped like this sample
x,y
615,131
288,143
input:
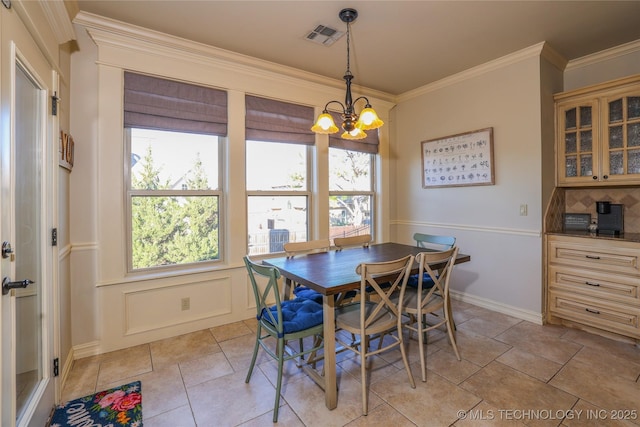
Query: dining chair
x,y
281,321
292,249
345,242
421,301
434,241
370,319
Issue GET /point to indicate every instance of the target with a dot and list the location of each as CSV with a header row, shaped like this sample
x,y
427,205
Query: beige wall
x,y
506,256
615,63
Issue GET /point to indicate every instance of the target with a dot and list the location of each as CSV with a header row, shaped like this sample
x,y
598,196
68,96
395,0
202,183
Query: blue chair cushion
x,y
298,315
427,281
306,293
302,292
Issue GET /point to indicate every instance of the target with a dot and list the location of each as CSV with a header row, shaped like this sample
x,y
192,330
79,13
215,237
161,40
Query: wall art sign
x,y
458,160
65,151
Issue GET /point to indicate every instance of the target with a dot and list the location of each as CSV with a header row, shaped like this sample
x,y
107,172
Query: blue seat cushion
x,y
298,315
427,281
302,292
305,293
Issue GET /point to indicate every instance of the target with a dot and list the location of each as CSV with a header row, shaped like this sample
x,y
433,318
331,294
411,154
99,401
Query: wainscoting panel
x,y
155,308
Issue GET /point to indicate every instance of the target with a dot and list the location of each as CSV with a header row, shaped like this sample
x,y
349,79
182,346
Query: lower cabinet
x,y
594,282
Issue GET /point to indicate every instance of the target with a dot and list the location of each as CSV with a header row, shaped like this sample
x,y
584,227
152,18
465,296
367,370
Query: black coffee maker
x,y
610,218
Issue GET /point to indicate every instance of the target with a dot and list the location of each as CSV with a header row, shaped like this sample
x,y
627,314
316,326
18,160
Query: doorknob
x,y
7,285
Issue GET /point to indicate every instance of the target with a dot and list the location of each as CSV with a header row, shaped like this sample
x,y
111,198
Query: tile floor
x,y
512,373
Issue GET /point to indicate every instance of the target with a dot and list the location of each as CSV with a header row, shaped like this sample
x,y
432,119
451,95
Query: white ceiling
x,y
396,45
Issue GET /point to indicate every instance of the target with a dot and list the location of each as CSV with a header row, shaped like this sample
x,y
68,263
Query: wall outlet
x,y
185,303
523,210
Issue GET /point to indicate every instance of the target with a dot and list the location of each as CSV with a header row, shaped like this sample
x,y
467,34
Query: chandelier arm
x,y
333,102
368,105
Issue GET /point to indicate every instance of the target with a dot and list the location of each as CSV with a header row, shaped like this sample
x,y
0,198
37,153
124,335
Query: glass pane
x,y
28,239
570,143
615,137
173,160
274,166
586,141
633,135
571,166
274,221
586,165
585,117
570,119
349,170
174,230
349,216
633,107
615,111
616,160
633,161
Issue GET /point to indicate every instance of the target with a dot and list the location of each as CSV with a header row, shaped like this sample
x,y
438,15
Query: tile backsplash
x,y
583,200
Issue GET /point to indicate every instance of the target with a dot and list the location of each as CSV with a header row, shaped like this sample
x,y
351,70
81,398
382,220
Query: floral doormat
x,y
116,407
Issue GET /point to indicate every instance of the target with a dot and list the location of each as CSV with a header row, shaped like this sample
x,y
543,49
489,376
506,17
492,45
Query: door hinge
x,y
54,237
56,367
54,104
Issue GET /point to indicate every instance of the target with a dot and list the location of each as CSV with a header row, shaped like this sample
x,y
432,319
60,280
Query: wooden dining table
x,y
334,272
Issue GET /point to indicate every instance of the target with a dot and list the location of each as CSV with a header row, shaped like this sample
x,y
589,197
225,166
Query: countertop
x,y
627,237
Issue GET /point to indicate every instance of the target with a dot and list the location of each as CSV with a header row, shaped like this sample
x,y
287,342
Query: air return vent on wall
x,y
324,35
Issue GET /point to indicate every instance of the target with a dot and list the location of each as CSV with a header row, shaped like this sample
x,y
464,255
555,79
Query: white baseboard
x,y
499,307
66,370
85,350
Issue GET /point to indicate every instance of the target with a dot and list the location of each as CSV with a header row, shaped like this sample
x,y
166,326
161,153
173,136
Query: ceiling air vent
x,y
324,35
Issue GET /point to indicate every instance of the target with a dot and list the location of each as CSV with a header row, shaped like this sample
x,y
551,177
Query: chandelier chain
x,y
348,48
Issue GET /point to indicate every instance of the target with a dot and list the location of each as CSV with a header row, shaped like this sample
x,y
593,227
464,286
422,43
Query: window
x,y
278,149
174,199
350,193
173,155
351,184
278,196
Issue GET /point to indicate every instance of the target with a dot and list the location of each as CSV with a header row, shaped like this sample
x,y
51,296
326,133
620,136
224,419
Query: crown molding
x,y
58,19
515,57
552,55
105,32
604,55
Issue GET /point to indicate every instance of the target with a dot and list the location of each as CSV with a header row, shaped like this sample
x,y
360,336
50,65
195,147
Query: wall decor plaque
x,y
66,150
458,160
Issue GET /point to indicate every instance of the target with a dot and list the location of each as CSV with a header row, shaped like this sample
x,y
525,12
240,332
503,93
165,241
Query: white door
x,y
27,187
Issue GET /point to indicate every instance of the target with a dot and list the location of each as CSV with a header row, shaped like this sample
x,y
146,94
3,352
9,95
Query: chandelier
x,y
353,124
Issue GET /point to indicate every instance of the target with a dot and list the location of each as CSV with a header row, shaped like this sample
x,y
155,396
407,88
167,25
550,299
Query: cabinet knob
x,y
605,177
594,177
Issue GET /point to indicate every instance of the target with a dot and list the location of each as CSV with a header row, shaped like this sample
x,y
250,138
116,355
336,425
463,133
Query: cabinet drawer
x,y
610,259
620,318
613,287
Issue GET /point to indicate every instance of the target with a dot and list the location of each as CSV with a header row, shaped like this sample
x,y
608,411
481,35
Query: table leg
x,y
286,292
330,381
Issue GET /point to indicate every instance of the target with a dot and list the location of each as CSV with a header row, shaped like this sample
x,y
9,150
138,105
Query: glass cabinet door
x,y
622,138
578,155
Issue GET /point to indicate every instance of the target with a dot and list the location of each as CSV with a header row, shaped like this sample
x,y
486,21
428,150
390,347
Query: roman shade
x,y
161,104
277,121
365,145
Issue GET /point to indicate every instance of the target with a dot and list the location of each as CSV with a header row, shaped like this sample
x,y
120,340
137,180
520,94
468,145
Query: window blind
x,y
277,121
161,104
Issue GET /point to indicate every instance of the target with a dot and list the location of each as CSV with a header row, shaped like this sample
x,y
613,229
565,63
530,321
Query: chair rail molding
x,y
476,228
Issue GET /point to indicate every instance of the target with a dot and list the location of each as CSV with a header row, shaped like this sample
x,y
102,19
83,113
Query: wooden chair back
x,y
344,242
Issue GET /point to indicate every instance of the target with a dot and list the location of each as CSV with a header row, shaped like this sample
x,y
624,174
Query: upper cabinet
x,y
598,134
